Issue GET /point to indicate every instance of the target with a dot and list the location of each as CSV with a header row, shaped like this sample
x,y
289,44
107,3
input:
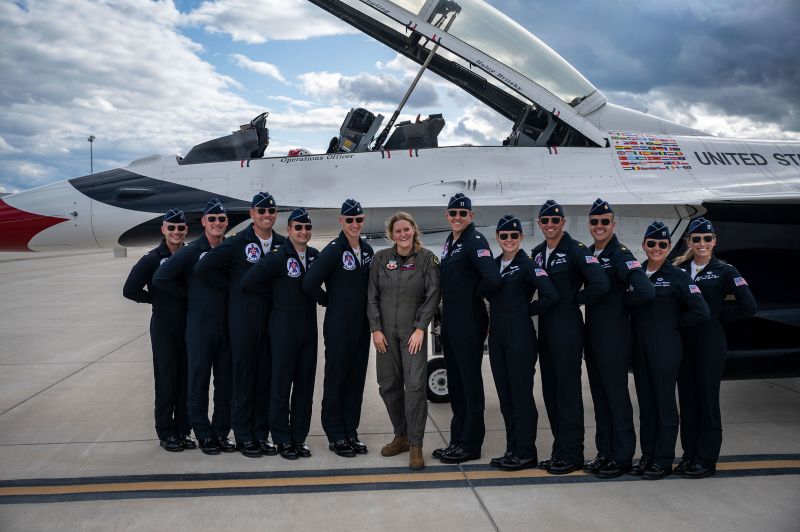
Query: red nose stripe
x,y
17,227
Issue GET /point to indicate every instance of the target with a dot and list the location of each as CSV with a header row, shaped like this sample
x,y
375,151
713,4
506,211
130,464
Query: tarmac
x,y
78,450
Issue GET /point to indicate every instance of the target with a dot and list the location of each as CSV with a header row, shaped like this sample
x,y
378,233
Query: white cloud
x,y
259,67
266,20
120,72
292,102
5,147
702,116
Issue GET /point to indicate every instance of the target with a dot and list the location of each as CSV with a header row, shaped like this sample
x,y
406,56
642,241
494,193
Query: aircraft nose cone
x,y
18,227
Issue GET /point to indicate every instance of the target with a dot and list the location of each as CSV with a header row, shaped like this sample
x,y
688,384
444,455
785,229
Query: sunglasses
x,y
595,221
357,219
264,210
660,243
455,213
180,228
506,236
705,238
300,227
555,220
221,219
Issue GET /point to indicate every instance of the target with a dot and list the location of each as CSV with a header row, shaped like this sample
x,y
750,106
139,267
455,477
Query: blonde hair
x,y
403,216
688,255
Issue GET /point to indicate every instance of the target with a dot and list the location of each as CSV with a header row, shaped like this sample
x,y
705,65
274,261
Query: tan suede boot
x,y
399,445
415,459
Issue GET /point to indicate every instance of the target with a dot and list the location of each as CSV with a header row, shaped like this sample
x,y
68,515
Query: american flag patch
x,y
693,288
591,259
631,264
739,281
540,272
484,253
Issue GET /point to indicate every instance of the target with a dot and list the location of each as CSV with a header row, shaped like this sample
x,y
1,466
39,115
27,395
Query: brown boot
x,y
415,460
399,445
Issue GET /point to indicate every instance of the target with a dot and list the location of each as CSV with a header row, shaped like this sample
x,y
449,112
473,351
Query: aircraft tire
x,y
436,388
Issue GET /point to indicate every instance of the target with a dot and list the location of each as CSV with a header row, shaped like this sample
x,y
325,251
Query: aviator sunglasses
x,y
595,221
221,219
505,236
555,220
300,227
357,219
660,243
698,239
180,228
264,210
453,213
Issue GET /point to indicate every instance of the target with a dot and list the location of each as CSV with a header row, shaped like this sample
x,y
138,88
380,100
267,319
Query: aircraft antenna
x,y
385,133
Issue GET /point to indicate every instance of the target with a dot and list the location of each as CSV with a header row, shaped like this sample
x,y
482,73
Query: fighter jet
x,y
567,142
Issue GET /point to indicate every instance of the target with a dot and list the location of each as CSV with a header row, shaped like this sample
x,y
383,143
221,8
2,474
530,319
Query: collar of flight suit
x,y
464,234
610,248
519,257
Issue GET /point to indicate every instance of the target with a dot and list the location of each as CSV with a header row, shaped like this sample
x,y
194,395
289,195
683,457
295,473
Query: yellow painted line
x,y
343,480
758,464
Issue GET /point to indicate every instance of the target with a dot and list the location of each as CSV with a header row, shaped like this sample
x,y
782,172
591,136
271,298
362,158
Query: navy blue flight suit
x,y
206,338
293,339
224,267
468,274
167,330
346,332
657,358
513,349
607,351
570,266
704,357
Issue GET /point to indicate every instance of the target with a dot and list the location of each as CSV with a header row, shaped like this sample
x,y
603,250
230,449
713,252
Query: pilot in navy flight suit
x,y
468,274
292,334
512,343
206,332
344,268
570,266
657,351
608,345
224,266
167,330
729,299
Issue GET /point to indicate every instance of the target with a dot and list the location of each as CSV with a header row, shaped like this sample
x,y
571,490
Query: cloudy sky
x,y
156,77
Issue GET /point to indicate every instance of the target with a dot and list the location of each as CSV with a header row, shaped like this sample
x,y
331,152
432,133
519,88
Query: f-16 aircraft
x,y
567,142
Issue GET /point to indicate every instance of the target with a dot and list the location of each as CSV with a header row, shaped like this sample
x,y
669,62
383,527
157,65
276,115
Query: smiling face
x,y
263,220
214,224
704,247
352,225
552,227
602,228
299,232
458,219
403,234
509,241
174,232
656,249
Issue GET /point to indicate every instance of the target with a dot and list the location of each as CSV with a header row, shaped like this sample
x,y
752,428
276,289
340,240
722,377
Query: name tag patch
x,y
407,267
